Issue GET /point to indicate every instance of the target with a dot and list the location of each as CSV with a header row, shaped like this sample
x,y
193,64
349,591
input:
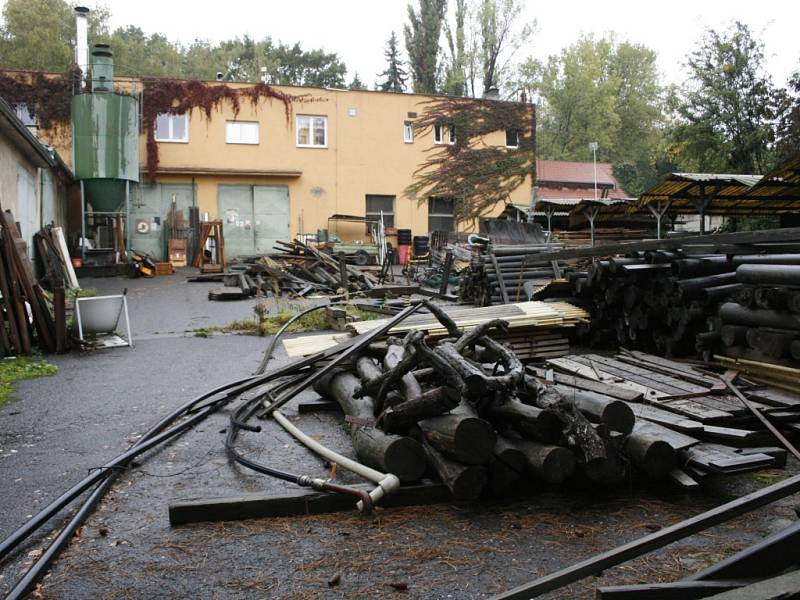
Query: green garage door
x,y
150,206
254,217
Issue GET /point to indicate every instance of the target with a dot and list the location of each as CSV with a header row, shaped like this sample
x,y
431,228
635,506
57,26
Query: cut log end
x,y
474,440
558,466
405,458
469,483
618,416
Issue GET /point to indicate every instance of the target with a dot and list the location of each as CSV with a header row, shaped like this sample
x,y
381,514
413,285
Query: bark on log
x,y
465,482
476,382
409,385
461,435
430,404
507,465
577,429
650,454
402,456
616,415
545,424
553,464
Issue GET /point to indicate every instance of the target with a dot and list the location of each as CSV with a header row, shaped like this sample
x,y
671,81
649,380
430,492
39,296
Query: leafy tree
x,y
729,106
455,82
136,53
600,90
422,34
395,75
788,132
500,38
39,34
356,84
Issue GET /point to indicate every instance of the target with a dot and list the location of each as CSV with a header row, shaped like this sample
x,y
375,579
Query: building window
x,y
408,132
512,138
312,132
241,132
380,204
24,114
440,214
440,132
172,128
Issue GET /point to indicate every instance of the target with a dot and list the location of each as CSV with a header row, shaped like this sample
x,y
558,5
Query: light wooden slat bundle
x,y
522,314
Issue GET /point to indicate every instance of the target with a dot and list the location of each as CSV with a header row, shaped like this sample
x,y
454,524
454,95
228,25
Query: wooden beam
x,y
260,505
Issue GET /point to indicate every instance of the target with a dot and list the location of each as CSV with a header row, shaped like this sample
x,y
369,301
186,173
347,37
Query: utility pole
x,y
593,146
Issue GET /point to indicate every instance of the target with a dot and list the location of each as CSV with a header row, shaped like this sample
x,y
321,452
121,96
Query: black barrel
x,y
403,237
420,244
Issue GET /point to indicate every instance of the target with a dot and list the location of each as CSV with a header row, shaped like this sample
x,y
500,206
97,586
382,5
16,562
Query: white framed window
x,y
408,132
241,132
172,128
512,138
442,132
312,131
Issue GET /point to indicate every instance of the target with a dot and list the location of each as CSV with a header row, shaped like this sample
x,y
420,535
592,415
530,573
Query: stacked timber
x,y
30,317
655,301
295,270
761,322
483,422
507,274
602,235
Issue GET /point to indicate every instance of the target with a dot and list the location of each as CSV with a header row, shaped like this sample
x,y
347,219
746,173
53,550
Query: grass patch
x,y
83,292
22,367
363,315
204,332
242,326
314,321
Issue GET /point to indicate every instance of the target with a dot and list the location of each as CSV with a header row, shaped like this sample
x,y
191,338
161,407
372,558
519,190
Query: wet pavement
x,y
60,427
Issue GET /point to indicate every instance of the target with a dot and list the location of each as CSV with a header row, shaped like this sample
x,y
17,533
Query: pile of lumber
x,y
297,270
507,274
467,409
762,320
602,235
654,301
30,317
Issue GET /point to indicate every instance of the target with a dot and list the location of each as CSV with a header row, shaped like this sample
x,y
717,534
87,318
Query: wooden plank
x,y
677,590
259,505
500,281
781,587
608,389
654,414
722,459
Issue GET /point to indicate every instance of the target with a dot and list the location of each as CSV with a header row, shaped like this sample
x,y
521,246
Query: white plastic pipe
x,y
387,482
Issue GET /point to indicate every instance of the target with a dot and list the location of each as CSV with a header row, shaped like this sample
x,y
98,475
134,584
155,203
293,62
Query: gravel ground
x,y
61,426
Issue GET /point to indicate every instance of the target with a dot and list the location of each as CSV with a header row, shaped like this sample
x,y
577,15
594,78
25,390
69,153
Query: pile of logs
x,y
653,301
506,274
296,270
30,317
467,409
762,320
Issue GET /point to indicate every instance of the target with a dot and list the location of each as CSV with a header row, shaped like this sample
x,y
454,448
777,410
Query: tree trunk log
x,y
553,464
614,414
544,423
402,456
507,466
461,435
650,454
430,404
465,482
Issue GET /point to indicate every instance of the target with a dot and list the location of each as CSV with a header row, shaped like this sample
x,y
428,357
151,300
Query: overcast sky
x,y
357,29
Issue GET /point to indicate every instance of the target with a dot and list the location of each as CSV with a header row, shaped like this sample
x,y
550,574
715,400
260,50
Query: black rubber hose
x,y
112,469
271,347
239,417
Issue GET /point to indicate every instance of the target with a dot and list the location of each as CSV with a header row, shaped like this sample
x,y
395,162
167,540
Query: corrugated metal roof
x,y
579,193
727,195
783,182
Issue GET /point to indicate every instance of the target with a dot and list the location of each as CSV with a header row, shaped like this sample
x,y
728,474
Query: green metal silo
x,y
105,137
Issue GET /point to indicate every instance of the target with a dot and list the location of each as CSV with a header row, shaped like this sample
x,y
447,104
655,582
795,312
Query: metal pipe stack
x,y
520,274
762,322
